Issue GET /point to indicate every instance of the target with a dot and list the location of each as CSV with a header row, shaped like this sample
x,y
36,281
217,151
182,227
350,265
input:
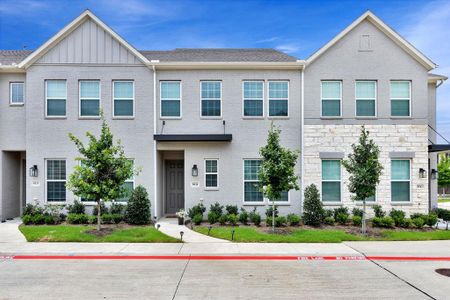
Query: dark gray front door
x,y
174,186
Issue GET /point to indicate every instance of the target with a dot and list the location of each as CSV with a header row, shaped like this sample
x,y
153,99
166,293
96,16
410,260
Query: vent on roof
x,y
365,43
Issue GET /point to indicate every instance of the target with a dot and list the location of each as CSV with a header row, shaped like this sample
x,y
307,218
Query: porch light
x,y
422,173
194,171
434,174
34,171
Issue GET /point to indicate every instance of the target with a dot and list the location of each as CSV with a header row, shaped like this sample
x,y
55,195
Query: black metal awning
x,y
438,147
193,137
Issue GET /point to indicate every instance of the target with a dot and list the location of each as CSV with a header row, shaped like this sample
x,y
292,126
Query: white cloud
x,y
268,40
288,48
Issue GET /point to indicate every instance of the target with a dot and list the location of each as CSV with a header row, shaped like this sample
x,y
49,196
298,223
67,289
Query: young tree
x,y
277,172
365,170
313,212
103,169
444,172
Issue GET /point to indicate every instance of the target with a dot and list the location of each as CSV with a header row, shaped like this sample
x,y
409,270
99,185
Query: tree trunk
x,y
98,215
363,223
273,216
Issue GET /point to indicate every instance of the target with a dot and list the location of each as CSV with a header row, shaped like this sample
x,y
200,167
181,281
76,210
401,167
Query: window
x,y
128,187
89,98
171,99
56,180
284,197
366,98
123,102
16,93
400,98
331,180
252,193
211,174
211,98
331,95
56,96
253,98
400,180
278,98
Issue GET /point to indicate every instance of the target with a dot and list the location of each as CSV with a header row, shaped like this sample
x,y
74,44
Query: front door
x,y
174,186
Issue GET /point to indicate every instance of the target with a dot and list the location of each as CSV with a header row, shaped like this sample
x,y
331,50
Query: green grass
x,y
77,233
252,235
443,200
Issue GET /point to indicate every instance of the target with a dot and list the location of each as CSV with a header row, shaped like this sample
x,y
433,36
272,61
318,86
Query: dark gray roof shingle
x,y
8,57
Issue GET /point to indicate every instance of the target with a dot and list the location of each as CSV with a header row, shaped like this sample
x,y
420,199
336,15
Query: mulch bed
x,y
104,231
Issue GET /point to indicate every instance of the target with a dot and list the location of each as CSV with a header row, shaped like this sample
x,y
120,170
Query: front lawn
x,y
80,233
443,200
255,235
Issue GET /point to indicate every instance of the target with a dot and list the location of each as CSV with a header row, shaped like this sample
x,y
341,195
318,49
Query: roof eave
x,y
11,69
294,65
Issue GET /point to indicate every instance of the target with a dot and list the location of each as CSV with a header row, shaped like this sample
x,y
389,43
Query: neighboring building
x,y
208,111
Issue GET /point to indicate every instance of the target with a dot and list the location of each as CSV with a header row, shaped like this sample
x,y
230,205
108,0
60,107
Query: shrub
x,y
62,217
269,221
255,217
243,216
198,209
138,207
328,213
342,218
328,221
117,209
216,208
357,212
378,210
232,209
407,223
117,218
431,219
417,215
398,216
232,219
103,209
293,219
313,209
77,218
197,219
386,222
418,222
269,211
280,221
32,209
92,219
107,219
357,220
27,219
213,217
38,219
49,220
440,212
76,208
340,210
223,219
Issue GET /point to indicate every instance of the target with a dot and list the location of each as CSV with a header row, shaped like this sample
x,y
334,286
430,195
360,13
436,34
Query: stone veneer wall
x,y
390,138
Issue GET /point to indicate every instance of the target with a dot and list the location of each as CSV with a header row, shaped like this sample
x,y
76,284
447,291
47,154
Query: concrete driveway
x,y
10,233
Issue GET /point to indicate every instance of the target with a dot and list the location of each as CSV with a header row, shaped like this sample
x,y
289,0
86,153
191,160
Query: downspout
x,y
155,187
302,131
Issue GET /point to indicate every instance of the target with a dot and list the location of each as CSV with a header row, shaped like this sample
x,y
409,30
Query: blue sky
x,y
296,27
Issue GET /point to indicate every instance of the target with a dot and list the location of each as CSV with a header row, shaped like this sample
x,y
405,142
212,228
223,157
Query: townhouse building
x,y
193,120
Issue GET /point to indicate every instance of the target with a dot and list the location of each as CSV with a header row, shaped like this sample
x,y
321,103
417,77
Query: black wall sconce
x,y
194,171
434,174
422,173
34,172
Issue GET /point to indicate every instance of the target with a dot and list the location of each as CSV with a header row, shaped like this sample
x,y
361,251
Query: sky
x,y
297,27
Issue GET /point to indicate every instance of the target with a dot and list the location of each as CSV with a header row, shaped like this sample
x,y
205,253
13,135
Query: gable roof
x,y
11,57
87,14
392,34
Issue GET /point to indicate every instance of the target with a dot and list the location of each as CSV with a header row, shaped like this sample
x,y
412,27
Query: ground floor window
x,y
128,187
331,180
56,180
252,191
211,174
401,180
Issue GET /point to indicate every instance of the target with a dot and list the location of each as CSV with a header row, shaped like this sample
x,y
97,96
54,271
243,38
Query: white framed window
x,y
252,192
89,104
123,99
55,180
253,99
211,98
16,93
400,98
278,98
366,98
331,98
128,186
331,180
211,174
55,98
170,95
400,180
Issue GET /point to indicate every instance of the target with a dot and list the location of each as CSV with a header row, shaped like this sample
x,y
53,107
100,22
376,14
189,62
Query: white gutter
x,y
302,132
155,187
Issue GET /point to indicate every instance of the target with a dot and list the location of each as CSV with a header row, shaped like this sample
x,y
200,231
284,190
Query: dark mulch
x,y
104,231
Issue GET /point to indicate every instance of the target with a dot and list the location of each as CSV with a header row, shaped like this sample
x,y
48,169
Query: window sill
x,y
89,118
366,118
332,203
253,118
211,189
17,104
254,204
170,118
278,118
401,203
280,203
56,118
401,118
123,118
56,202
331,118
367,203
210,118
89,203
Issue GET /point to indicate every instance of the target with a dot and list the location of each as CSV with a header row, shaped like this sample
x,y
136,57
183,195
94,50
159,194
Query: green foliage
x,y
417,215
280,221
255,217
357,220
357,212
216,208
197,219
269,211
33,209
243,216
312,208
269,221
418,222
342,218
103,209
406,223
38,219
232,219
107,218
198,209
223,219
213,217
27,219
385,222
138,207
77,218
293,219
444,171
431,219
328,221
117,208
92,219
398,216
378,210
76,208
232,209
340,210
328,213
49,220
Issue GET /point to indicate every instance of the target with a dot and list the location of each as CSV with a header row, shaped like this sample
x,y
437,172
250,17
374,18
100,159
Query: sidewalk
x,y
9,232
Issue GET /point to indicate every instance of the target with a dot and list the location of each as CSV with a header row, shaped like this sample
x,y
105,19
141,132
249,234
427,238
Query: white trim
x,y
263,202
58,98
155,151
11,83
410,181
394,36
322,181
340,100
212,188
262,99
277,99
373,99
53,180
179,100
90,98
302,141
394,99
119,99
213,99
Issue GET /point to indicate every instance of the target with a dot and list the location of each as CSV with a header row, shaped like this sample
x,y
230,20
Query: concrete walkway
x,y
10,233
170,227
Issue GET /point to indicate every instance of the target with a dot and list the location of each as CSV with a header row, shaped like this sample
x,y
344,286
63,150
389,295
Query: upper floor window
x,y
55,178
211,92
331,180
17,93
331,97
56,96
278,98
123,99
400,98
253,98
171,99
89,98
366,98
